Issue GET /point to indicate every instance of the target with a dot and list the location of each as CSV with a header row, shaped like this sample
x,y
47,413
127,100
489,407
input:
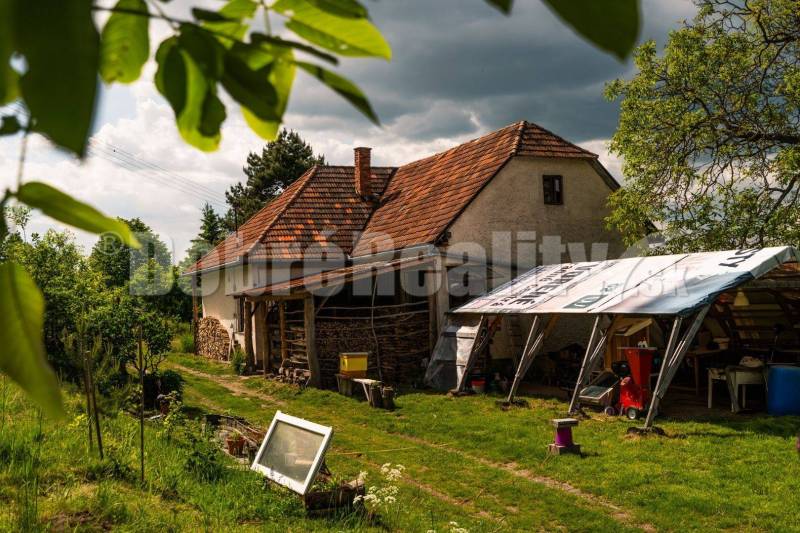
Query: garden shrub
x,y
204,459
237,361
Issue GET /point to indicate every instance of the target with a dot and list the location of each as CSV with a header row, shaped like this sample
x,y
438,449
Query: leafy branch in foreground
x,y
51,54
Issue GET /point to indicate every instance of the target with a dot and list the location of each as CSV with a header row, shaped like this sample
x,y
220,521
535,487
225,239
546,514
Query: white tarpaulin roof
x,y
657,285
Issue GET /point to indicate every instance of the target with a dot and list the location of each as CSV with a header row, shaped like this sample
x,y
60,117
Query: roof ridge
x,y
310,173
521,125
560,138
465,143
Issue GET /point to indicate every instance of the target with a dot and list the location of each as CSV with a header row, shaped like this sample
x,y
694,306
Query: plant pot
x,y
341,497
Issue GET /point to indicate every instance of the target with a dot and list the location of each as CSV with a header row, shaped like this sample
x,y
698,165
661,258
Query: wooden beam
x,y
268,334
282,324
195,314
311,342
261,334
248,333
277,297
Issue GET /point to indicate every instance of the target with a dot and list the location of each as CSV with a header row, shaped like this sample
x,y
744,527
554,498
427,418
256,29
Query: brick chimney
x,y
363,171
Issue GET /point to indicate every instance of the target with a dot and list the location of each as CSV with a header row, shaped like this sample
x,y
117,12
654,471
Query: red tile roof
x,y
425,196
320,213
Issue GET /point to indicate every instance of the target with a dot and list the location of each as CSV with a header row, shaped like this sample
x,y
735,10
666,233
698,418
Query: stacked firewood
x,y
288,374
212,339
402,340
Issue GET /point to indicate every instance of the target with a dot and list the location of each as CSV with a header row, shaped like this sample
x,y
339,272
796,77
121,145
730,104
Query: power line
x,y
139,170
157,168
149,170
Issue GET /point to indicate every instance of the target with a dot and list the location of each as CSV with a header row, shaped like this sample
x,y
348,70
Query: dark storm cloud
x,y
459,66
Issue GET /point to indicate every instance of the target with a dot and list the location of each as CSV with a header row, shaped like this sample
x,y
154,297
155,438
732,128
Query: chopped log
x,y
212,339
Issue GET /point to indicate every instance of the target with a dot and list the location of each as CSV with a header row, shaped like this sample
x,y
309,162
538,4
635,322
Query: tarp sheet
x,y
658,285
450,355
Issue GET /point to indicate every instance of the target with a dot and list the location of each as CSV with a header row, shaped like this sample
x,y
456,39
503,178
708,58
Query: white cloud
x,y
458,72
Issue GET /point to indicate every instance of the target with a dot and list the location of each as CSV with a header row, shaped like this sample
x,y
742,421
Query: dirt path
x,y
236,386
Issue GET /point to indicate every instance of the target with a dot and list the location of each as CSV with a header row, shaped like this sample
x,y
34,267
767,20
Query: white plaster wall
x,y
512,207
510,222
216,300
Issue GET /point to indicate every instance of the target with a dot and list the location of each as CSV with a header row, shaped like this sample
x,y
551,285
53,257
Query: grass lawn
x,y
466,461
711,472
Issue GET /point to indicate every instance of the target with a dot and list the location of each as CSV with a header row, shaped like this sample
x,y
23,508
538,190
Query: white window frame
x,y
277,477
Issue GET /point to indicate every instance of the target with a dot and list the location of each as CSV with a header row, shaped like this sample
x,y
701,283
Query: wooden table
x,y
698,354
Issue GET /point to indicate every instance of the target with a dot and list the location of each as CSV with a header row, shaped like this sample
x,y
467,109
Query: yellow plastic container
x,y
353,364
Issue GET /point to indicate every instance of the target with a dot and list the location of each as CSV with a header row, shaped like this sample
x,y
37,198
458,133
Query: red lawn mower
x,y
626,390
634,390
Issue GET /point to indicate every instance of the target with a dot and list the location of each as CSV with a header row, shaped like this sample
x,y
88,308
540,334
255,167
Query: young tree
x,y
280,163
116,260
211,228
710,130
19,215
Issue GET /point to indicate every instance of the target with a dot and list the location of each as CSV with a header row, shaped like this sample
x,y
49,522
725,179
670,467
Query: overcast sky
x,y
459,69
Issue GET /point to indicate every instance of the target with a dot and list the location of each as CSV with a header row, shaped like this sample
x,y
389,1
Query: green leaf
x,y
22,357
235,11
259,38
281,78
61,47
68,210
205,50
10,125
9,79
170,77
611,25
125,43
344,87
198,111
209,16
247,80
502,5
346,36
342,8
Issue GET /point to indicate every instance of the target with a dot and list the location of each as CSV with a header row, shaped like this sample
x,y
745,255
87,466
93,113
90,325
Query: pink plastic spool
x,y
564,436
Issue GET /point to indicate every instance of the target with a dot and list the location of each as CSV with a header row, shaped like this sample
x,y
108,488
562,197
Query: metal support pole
x,y
672,359
528,353
588,361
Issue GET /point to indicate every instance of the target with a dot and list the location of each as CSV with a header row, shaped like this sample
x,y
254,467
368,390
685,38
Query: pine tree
x,y
211,229
280,163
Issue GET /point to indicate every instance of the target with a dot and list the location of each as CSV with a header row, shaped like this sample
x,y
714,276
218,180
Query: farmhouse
x,y
371,259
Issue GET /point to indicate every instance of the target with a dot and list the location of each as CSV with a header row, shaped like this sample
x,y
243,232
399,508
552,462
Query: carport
x,y
681,288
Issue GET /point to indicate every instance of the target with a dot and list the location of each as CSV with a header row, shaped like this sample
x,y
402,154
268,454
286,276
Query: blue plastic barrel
x,y
783,397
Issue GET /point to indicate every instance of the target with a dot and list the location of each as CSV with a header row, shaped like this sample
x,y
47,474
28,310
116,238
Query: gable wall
x,y
513,202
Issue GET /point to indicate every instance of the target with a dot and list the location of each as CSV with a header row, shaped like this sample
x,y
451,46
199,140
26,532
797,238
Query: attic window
x,y
553,189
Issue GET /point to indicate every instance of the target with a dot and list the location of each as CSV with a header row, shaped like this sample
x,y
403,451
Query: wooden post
x,y
195,314
141,406
89,415
282,322
260,315
248,333
311,341
90,364
268,334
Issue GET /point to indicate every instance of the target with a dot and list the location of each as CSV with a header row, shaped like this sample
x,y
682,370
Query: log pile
x,y
402,334
213,340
